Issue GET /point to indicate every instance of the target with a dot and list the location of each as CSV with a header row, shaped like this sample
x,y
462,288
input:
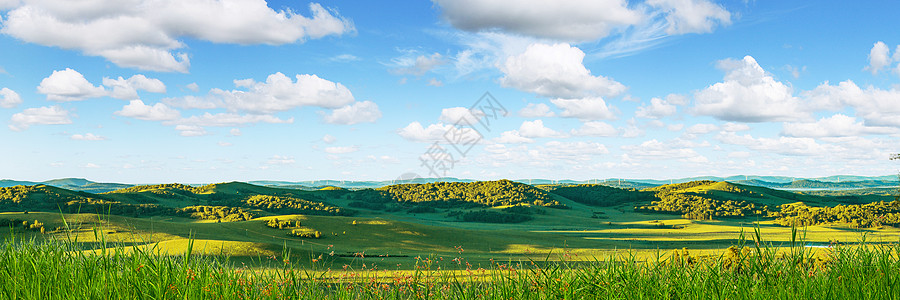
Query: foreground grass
x,y
57,270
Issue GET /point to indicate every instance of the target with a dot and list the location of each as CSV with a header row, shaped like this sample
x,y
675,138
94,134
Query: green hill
x,y
481,193
706,200
601,195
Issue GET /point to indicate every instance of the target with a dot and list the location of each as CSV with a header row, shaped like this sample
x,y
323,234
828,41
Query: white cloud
x,y
359,112
536,110
460,115
9,98
341,150
512,137
280,93
345,58
783,145
281,160
877,107
53,115
193,86
555,71
735,127
579,20
69,85
692,16
701,128
658,108
594,128
158,112
91,166
536,129
440,132
228,120
879,57
87,137
416,65
417,133
191,130
224,144
674,149
748,94
435,82
126,89
574,151
328,139
835,126
591,108
145,33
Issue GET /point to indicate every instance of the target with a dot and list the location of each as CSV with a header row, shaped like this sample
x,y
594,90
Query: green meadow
x,y
497,239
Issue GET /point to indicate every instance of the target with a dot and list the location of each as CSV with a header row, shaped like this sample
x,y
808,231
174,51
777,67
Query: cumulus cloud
x,y
578,20
590,108
53,115
701,128
9,98
748,94
69,85
126,89
838,125
512,137
796,146
191,130
410,64
235,132
228,120
440,132
658,108
692,16
341,150
277,93
87,137
595,129
157,112
555,71
536,129
145,34
876,106
735,127
417,133
460,115
879,57
359,112
536,110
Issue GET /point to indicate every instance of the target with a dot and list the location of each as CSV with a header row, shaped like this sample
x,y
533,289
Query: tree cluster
x,y
601,195
691,206
219,213
873,214
482,193
290,205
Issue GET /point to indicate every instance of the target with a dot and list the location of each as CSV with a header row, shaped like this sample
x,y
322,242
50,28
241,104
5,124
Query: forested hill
x,y
486,193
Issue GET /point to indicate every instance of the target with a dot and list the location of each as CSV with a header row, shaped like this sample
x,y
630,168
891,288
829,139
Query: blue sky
x,y
148,91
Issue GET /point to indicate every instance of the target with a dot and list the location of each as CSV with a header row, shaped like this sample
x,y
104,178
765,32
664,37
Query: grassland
x,y
589,237
758,270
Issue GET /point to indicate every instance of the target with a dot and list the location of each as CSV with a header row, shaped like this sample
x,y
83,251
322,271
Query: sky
x,y
155,91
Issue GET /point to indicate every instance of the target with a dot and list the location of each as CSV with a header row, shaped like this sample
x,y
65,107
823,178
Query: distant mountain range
x,y
775,182
75,184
